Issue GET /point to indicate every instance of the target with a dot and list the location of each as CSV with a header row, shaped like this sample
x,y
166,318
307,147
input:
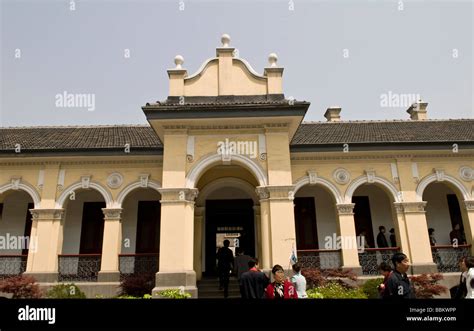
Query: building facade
x,y
228,155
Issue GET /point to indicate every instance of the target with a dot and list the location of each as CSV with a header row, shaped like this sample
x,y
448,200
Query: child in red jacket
x,y
281,288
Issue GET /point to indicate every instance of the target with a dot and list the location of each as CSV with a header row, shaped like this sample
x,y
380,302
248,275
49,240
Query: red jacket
x,y
289,291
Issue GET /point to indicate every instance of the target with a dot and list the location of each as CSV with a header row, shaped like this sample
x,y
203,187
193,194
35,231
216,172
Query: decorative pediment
x,y
225,74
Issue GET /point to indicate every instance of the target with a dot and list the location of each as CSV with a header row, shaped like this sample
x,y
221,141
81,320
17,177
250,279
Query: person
x,y
432,237
386,271
381,239
253,282
363,236
393,239
460,291
241,262
470,277
398,284
225,260
456,236
299,281
281,288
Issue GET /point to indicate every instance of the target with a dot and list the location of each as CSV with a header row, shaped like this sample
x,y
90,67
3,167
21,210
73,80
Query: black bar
x,y
240,314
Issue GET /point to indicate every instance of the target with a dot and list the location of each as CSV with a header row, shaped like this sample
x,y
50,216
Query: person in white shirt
x,y
299,280
470,277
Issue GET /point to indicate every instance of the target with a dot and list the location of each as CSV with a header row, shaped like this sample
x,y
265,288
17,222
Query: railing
x,y
141,263
371,258
79,267
447,257
320,258
12,265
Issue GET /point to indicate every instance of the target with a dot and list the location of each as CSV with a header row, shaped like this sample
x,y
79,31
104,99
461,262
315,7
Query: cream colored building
x,y
226,152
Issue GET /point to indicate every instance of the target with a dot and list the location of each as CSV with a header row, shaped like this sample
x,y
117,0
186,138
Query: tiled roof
x,y
143,137
428,131
79,138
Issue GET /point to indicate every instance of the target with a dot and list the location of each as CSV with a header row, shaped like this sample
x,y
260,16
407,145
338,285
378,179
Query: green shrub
x,y
146,296
370,288
65,291
174,293
333,290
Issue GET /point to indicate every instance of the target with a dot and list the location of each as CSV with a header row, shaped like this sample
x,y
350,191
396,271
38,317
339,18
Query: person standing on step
x,y
253,282
225,261
241,262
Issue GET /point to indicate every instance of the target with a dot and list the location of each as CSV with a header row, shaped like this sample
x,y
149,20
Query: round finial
x,y
225,40
178,60
272,59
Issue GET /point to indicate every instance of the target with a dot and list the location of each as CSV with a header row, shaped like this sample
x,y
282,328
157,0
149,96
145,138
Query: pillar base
x,y
425,268
356,269
176,279
43,277
108,276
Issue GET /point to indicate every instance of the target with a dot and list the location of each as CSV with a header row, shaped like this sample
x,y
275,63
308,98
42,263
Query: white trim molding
x,y
438,177
133,186
17,184
233,182
212,160
384,183
313,179
80,185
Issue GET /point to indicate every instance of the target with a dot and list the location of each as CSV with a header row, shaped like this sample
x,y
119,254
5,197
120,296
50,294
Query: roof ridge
x,y
390,121
76,126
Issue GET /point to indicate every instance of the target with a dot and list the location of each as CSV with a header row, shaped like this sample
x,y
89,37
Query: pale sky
x,y
347,53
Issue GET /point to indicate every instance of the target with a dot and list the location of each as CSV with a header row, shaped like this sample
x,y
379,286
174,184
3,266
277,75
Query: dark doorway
x,y
28,224
148,227
230,217
92,229
305,224
454,210
363,219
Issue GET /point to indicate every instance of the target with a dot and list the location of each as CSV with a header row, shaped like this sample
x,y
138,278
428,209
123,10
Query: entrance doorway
x,y
232,220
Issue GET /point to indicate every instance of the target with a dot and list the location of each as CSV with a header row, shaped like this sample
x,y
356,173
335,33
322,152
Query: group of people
x,y
396,283
253,282
456,236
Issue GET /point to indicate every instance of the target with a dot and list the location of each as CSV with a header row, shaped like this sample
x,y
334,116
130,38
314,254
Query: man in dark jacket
x,y
398,284
381,239
253,282
225,260
241,262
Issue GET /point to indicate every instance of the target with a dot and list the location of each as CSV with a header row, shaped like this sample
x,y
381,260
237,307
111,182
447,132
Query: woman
x,y
470,277
461,289
386,271
281,288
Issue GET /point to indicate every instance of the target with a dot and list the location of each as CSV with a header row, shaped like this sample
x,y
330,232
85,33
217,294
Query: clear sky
x,y
348,53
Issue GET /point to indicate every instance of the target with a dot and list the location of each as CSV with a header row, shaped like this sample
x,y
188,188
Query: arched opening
x,y
83,232
15,232
316,227
375,226
227,208
446,225
141,215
